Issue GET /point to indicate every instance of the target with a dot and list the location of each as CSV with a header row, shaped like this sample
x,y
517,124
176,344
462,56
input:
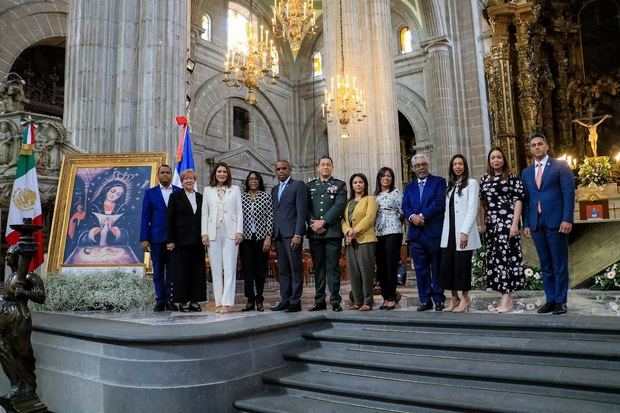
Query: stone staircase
x,y
436,362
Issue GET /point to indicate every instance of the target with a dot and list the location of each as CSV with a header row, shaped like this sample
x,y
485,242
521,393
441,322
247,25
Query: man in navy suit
x,y
153,233
548,219
290,204
424,204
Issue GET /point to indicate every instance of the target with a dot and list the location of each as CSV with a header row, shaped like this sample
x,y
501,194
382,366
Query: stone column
x,y
373,142
440,88
125,79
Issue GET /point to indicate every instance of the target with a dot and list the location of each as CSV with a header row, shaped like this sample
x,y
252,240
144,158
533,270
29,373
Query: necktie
x,y
538,182
281,189
421,185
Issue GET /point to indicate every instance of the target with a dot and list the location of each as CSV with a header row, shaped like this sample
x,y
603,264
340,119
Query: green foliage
x,y
596,171
608,279
533,275
102,290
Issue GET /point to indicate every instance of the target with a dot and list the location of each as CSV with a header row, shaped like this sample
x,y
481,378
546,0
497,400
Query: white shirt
x,y
165,192
191,196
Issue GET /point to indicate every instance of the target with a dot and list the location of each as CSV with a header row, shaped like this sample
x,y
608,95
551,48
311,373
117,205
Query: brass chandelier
x,y
249,64
293,20
344,101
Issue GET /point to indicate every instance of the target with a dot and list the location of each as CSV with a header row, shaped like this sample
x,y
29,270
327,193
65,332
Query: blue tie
x,y
421,185
282,186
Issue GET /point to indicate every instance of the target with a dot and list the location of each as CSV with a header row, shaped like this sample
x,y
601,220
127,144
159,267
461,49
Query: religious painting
x,y
98,209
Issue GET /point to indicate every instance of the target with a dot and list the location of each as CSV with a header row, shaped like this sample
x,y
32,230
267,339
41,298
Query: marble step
x,y
275,401
444,393
550,347
446,365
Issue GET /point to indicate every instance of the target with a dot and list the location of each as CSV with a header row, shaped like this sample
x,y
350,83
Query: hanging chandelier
x,y
344,101
293,20
250,63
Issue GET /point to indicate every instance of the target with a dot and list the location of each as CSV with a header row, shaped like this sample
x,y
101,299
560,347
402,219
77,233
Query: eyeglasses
x,y
420,165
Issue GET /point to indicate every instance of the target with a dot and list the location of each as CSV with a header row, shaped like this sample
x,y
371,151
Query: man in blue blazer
x,y
290,204
153,233
548,219
424,204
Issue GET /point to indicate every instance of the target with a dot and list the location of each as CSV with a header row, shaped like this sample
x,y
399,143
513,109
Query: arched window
x,y
317,64
238,20
206,27
405,38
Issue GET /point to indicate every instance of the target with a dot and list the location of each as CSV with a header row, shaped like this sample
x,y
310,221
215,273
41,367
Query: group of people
x,y
446,220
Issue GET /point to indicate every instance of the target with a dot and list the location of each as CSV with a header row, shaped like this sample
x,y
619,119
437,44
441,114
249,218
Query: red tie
x,y
538,182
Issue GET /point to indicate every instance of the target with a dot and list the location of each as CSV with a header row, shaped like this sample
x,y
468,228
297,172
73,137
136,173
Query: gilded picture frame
x,y
98,208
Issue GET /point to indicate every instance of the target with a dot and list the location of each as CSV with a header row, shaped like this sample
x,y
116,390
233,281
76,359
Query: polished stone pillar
x,y
125,79
440,101
374,142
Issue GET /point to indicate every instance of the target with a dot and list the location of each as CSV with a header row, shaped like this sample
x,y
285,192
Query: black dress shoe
x,y
318,307
248,307
548,307
425,306
195,307
293,308
171,307
279,307
439,307
560,309
336,307
159,307
260,307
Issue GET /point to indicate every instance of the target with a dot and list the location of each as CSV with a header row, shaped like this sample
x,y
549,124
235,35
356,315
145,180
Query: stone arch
x,y
413,107
213,94
28,24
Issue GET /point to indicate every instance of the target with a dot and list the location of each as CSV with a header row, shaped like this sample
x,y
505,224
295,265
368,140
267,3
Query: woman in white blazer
x,y
222,232
460,236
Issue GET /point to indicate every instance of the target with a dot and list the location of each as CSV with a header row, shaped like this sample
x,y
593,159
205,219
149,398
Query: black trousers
x,y
254,264
388,256
325,260
189,274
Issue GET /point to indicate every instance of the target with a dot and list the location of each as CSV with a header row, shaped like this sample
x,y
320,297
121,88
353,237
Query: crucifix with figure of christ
x,y
592,123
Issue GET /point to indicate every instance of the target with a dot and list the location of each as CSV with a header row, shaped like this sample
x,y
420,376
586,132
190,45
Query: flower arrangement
x,y
103,290
533,275
478,269
608,279
595,171
533,278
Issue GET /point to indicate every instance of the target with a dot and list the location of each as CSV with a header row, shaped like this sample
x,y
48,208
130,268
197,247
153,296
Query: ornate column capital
x,y
436,44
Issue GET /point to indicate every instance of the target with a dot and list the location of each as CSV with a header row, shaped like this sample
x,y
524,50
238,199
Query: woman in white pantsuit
x,y
222,231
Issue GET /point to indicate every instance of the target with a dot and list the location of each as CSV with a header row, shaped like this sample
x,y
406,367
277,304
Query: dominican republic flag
x,y
185,156
25,198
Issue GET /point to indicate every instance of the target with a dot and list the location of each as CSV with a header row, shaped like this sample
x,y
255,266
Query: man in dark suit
x,y
548,219
424,204
153,233
327,198
289,215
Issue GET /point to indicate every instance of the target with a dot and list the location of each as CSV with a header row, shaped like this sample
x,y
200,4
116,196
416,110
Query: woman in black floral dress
x,y
501,195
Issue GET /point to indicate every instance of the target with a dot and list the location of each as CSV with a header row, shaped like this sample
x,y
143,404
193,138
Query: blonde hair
x,y
187,172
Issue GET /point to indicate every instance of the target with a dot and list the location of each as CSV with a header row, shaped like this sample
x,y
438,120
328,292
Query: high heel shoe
x,y
195,307
462,307
454,303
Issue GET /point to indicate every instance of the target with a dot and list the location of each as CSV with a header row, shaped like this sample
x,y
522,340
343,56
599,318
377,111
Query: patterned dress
x,y
504,259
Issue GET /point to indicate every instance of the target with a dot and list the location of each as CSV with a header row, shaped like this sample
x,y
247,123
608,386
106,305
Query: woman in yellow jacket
x,y
358,226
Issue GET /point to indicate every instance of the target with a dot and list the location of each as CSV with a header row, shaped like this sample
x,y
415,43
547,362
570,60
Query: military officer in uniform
x,y
327,198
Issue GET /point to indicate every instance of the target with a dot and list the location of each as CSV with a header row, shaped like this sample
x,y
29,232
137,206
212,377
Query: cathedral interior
x,y
439,77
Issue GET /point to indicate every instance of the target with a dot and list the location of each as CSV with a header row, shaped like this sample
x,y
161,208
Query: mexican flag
x,y
25,198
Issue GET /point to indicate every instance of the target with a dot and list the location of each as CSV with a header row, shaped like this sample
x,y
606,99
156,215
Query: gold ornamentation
x,y
24,199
